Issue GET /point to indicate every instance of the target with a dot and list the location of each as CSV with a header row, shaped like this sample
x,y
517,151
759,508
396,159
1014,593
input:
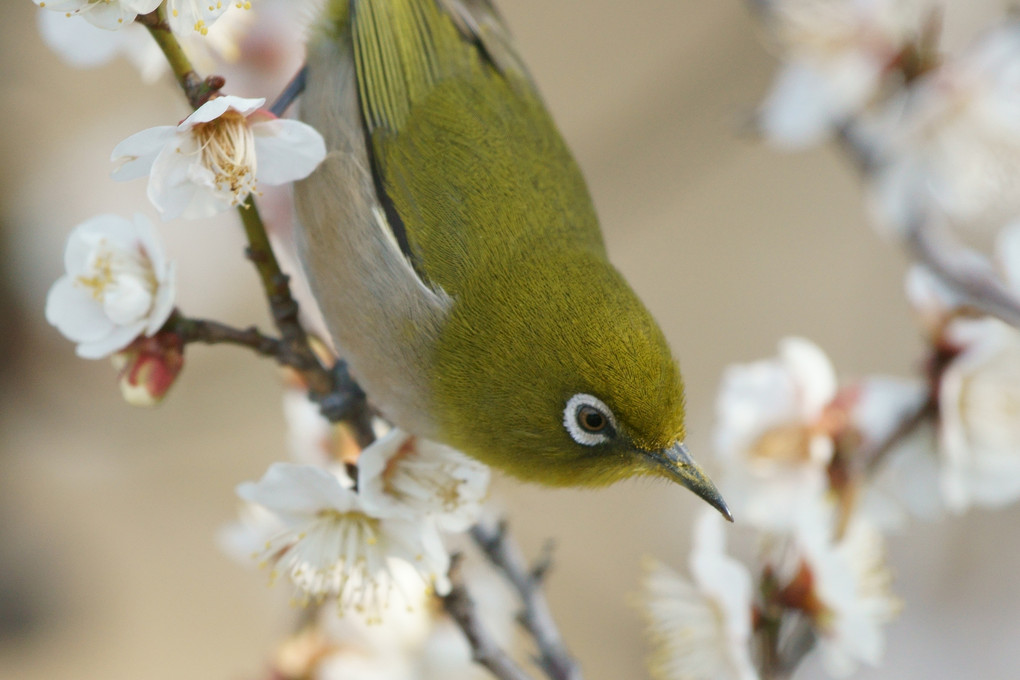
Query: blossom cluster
x,y
117,297
821,470
361,530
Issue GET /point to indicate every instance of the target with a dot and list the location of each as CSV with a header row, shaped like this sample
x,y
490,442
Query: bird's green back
x,y
463,148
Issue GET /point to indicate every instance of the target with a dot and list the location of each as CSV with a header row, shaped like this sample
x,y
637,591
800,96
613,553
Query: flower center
x,y
122,281
784,444
337,554
413,481
227,148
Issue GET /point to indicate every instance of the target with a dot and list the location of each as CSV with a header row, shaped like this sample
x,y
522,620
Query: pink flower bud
x,y
148,367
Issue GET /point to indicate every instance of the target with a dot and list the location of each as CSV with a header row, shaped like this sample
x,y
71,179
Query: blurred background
x,y
109,565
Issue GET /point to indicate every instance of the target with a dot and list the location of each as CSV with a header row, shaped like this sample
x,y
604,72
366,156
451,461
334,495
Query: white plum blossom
x,y
419,641
952,142
979,415
332,546
836,54
108,14
412,477
217,156
118,285
770,433
701,628
848,595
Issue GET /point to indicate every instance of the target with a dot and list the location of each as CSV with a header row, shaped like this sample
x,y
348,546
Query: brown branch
x,y
216,333
536,617
282,304
872,457
484,649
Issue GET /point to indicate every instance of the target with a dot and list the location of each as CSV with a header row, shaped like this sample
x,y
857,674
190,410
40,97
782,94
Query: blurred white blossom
x,y
979,415
907,482
332,547
118,286
108,14
932,299
844,586
82,45
213,159
836,54
701,628
952,141
770,433
418,642
311,438
407,476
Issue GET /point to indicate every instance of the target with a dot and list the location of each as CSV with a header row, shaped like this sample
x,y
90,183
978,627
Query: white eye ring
x,y
578,433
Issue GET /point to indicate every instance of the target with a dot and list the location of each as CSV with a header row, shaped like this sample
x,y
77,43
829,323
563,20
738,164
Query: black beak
x,y
675,462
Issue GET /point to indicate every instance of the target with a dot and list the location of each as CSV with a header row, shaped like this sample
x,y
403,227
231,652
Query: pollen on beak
x,y
675,462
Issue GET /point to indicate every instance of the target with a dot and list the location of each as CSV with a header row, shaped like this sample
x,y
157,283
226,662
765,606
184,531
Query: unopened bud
x,y
148,367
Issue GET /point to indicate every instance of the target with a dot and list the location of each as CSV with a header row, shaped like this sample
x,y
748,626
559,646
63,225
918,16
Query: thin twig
x,y
962,269
484,649
216,333
198,90
294,88
536,617
797,645
282,304
872,457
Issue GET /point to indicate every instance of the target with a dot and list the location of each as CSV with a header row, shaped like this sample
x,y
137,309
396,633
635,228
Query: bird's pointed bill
x,y
675,463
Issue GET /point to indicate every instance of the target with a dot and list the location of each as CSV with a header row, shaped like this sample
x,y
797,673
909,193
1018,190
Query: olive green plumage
x,y
491,211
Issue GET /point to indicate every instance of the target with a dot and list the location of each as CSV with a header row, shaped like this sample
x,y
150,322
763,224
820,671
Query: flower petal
x,y
109,15
287,150
137,153
293,490
172,189
214,108
76,41
75,313
163,305
119,338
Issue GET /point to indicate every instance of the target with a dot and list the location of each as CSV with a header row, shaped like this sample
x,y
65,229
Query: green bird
x,y
454,250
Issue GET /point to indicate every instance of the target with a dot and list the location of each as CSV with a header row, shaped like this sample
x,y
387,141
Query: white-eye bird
x,y
453,248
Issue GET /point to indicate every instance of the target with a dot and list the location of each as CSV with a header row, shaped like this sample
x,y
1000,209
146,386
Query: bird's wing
x,y
467,163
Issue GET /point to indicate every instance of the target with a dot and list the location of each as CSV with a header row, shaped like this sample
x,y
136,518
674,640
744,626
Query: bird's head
x,y
564,379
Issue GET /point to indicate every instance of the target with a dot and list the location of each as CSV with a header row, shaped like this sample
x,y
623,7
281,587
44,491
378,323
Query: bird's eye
x,y
591,420
588,420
